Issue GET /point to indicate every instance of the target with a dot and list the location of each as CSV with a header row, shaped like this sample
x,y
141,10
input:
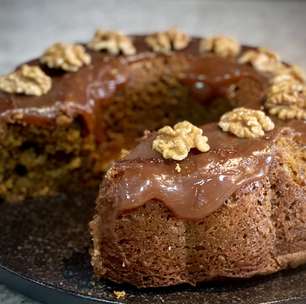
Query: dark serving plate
x,y
44,254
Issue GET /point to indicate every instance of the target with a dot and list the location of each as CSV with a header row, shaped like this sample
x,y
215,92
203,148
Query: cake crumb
x,y
123,153
112,42
18,115
120,294
28,80
175,143
178,168
164,42
63,120
246,123
146,134
66,56
220,45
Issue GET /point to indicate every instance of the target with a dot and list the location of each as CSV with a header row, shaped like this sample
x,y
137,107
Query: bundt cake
x,y
191,204
184,204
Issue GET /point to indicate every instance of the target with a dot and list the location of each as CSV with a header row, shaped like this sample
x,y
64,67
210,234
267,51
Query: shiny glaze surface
x,y
211,76
206,180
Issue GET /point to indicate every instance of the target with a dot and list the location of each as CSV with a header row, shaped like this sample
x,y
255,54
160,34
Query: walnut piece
x,y
291,72
220,45
288,112
28,80
175,143
261,59
283,72
286,98
123,153
65,56
246,123
112,42
120,294
267,61
296,72
164,42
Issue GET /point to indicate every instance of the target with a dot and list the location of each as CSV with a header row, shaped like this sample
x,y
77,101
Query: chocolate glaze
x,y
81,93
206,180
210,77
85,93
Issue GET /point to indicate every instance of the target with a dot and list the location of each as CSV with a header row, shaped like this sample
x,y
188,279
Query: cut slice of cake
x,y
234,211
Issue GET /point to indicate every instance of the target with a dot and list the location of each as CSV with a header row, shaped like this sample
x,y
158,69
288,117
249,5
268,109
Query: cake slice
x,y
235,211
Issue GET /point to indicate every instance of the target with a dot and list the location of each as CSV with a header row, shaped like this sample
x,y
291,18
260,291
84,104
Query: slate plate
x,y
44,254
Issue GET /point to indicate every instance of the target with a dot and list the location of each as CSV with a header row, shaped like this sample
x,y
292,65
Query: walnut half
x,y
268,61
28,80
164,42
175,143
220,45
246,123
112,42
286,98
65,56
261,59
